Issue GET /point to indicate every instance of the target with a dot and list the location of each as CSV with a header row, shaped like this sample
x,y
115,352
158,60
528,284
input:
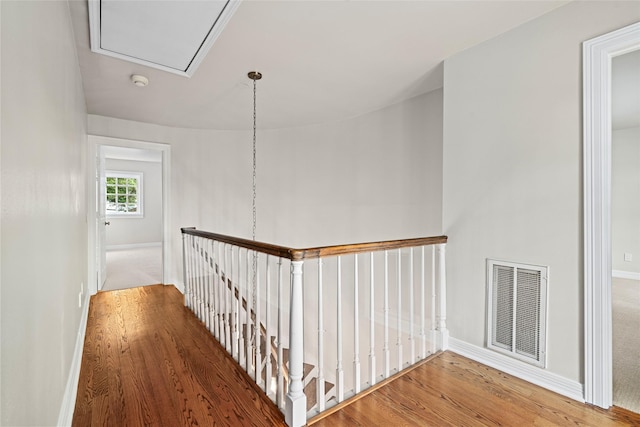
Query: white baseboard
x,y
530,373
65,417
133,246
625,274
180,287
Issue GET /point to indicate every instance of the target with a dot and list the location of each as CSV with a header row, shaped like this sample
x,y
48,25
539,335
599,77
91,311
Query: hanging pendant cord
x,y
254,160
254,76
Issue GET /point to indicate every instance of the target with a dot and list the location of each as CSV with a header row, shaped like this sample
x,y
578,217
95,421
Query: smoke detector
x,y
139,80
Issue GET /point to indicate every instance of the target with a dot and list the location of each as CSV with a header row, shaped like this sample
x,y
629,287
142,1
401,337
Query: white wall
x,y
43,225
625,199
136,230
377,176
512,168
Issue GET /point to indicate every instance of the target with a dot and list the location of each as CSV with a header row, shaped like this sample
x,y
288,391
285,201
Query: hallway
x,y
148,361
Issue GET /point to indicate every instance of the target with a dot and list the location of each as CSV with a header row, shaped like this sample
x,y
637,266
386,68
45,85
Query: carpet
x,y
130,268
626,343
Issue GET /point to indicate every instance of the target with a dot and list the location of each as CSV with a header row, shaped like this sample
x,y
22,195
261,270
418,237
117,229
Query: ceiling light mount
x,y
254,75
138,80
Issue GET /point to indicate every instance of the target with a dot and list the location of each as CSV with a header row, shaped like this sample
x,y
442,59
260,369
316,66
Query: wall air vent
x,y
172,36
517,310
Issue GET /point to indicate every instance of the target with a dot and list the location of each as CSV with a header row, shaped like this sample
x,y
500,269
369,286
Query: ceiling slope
x,y
321,60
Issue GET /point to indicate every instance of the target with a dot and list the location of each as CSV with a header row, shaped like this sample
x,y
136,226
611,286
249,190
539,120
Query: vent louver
x,y
517,310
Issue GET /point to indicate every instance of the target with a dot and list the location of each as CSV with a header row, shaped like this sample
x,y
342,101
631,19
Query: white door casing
x,y
94,252
101,219
597,56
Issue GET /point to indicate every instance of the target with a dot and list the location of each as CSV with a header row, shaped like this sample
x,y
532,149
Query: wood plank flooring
x,y
149,362
451,390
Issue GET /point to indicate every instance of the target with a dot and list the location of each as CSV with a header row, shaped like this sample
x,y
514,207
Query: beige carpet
x,y
626,343
129,268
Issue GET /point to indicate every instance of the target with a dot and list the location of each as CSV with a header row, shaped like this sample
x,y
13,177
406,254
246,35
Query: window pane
x,y
122,193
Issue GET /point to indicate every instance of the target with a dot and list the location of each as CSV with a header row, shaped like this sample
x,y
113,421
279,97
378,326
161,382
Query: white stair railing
x,y
237,288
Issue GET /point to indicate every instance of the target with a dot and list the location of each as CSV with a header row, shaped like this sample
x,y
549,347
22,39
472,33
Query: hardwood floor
x,y
451,390
148,361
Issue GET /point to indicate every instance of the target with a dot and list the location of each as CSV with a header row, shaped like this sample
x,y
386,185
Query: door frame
x,y
94,141
598,349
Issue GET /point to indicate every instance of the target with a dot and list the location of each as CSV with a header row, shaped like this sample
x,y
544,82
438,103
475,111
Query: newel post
x,y
296,402
443,332
184,270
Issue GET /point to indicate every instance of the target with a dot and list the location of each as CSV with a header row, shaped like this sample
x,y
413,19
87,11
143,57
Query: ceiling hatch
x,y
172,36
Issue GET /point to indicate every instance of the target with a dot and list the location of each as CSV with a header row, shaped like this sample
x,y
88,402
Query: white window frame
x,y
139,194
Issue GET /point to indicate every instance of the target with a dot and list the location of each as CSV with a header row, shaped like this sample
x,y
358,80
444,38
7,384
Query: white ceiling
x,y
625,90
321,61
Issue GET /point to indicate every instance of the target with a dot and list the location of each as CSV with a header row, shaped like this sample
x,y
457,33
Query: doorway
x,y
133,235
625,228
129,221
598,54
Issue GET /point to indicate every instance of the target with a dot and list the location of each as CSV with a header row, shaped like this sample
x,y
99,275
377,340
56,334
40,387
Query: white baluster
x,y
423,314
203,280
412,340
242,314
339,369
235,341
433,299
372,350
210,278
214,287
185,274
443,333
268,372
192,269
296,402
280,379
219,305
194,276
215,326
320,398
247,326
205,270
356,326
258,332
385,348
399,342
225,316
218,290
200,306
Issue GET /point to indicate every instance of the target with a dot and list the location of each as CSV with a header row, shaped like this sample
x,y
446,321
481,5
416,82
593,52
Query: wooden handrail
x,y
319,252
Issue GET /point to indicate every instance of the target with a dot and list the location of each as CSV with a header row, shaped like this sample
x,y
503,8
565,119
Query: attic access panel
x,y
172,36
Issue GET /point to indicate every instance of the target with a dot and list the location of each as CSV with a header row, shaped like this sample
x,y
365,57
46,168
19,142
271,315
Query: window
x,y
124,193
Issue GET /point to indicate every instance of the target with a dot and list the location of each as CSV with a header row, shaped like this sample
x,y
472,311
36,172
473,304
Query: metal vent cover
x,y
517,306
